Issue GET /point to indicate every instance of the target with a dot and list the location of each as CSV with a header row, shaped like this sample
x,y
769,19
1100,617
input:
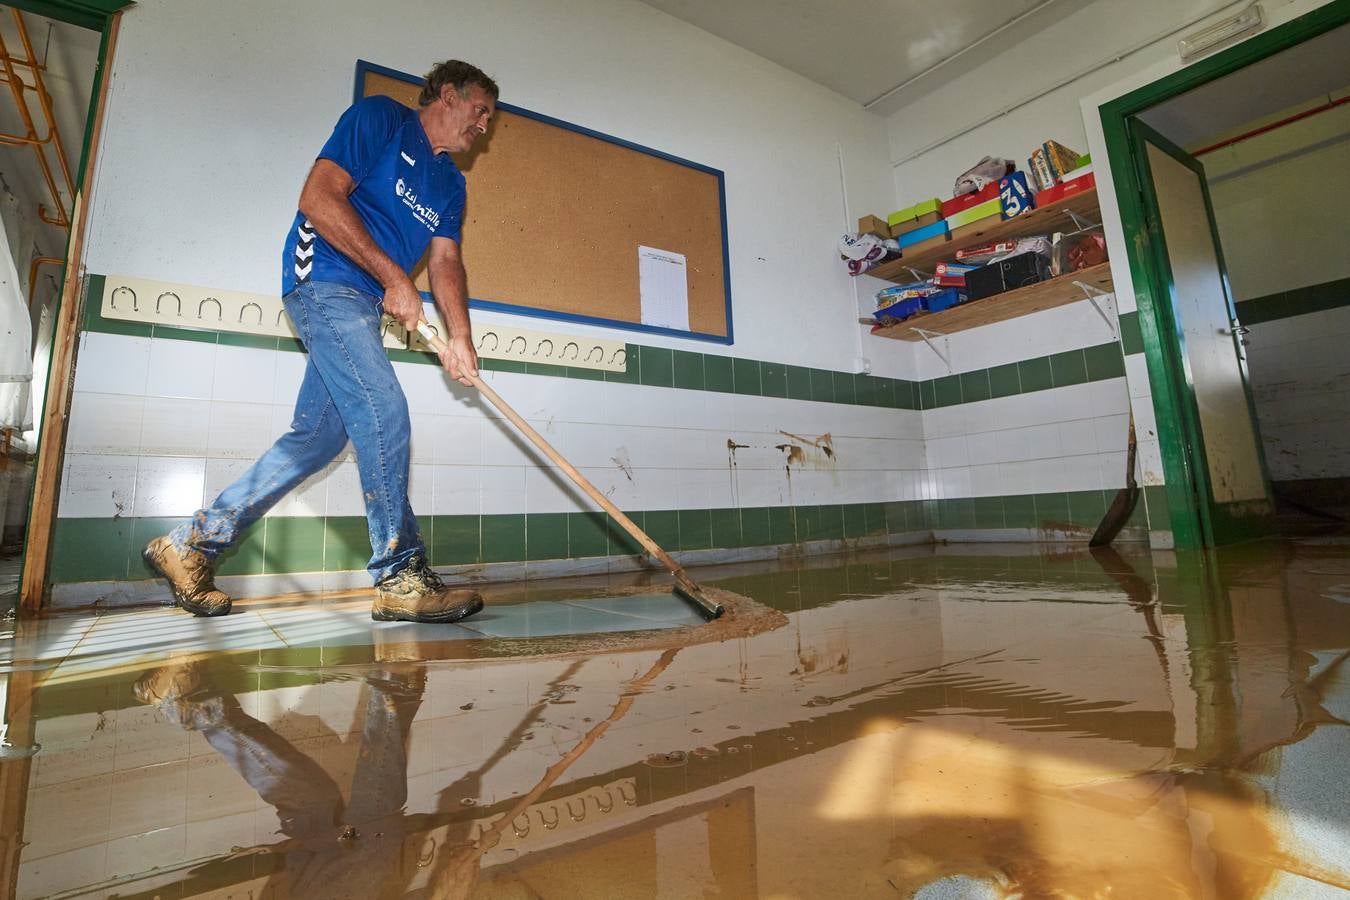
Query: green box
x,y
922,208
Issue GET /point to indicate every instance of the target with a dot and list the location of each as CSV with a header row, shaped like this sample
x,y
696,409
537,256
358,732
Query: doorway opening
x,y
47,74
1232,181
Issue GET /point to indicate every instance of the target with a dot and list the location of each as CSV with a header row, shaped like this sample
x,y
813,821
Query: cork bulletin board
x,y
556,213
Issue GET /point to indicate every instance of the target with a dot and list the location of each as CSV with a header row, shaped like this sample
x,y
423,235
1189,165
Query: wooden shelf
x,y
1001,307
1042,220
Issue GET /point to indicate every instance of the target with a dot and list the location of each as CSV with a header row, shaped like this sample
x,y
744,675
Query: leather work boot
x,y
190,576
417,594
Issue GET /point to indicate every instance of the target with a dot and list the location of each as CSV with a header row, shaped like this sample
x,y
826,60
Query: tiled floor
x,y
959,721
77,645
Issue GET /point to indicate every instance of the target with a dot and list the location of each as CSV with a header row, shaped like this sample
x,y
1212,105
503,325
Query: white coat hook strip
x,y
187,306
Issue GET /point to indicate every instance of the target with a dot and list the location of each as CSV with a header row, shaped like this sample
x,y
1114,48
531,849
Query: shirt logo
x,y
407,159
429,217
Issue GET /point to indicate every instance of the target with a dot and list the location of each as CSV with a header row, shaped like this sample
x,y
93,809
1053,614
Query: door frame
x,y
1173,395
1220,523
102,16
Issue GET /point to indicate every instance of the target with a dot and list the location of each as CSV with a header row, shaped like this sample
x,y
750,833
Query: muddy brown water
x,y
978,721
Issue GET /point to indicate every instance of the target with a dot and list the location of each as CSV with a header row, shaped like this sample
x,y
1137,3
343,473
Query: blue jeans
x,y
349,391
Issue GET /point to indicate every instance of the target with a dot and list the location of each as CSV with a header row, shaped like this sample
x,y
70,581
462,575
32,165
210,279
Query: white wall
x,y
217,109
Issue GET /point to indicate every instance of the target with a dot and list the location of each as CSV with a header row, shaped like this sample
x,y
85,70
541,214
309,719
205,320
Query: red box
x,y
1067,189
965,201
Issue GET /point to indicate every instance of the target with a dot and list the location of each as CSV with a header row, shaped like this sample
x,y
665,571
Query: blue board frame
x,y
365,66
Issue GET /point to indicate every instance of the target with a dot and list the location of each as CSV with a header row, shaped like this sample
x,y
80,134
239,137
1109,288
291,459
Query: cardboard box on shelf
x,y
990,208
915,239
1015,195
1066,189
874,225
906,217
965,201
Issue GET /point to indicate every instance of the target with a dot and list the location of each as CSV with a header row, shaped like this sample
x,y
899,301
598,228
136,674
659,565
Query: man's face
x,y
467,117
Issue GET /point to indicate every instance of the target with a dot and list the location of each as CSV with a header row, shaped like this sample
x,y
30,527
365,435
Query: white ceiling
x,y
1313,69
865,49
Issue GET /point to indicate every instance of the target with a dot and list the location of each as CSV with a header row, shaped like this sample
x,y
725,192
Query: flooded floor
x,y
976,721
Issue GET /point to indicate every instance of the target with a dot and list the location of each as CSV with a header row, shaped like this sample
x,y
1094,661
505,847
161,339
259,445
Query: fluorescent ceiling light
x,y
1220,33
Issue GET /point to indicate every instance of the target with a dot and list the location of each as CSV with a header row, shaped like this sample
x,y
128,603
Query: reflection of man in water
x,y
335,851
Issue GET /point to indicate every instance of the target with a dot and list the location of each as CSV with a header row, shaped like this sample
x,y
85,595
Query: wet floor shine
x,y
978,721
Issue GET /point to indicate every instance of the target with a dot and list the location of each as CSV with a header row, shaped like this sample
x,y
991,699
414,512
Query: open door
x,y
1223,447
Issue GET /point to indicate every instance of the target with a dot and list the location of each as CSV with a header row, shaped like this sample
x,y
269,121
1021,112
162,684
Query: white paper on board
x,y
664,288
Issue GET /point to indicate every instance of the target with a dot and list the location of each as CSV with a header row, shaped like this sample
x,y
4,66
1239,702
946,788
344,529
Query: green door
x,y
1221,442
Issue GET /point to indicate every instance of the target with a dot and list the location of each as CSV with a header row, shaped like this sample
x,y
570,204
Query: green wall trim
x,y
1295,302
690,370
108,549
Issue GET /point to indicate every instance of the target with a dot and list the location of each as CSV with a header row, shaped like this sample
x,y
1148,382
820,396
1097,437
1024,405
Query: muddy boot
x,y
417,594
190,576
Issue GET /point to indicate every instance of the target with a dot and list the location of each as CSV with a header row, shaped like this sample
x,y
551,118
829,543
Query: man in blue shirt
x,y
382,191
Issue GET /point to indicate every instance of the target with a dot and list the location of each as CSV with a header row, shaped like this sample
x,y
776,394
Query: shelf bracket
x,y
1092,293
919,276
925,334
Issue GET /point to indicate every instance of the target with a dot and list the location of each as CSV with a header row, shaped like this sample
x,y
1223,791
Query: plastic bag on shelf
x,y
987,171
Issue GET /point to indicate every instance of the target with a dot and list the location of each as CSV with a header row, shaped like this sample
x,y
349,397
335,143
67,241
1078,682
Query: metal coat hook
x,y
543,819
178,301
220,312
246,306
496,341
576,350
280,314
624,790
601,806
523,345
572,815
540,346
521,832
112,298
596,349
615,355
427,854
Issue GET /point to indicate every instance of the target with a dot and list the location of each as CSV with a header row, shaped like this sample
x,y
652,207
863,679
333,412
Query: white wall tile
x,y
1078,437
503,489
112,363
502,445
455,490
549,490
421,488
98,486
657,488
287,375
310,498
184,369
175,427
220,474
244,374
169,486
105,423
345,496
238,430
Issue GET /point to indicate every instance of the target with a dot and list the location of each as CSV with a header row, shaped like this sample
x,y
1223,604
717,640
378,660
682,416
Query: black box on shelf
x,y
1007,274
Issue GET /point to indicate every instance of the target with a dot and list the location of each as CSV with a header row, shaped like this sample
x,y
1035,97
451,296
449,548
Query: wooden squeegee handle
x,y
581,480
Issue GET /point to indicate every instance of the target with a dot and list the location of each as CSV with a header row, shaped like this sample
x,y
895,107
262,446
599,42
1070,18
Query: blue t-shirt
x,y
405,193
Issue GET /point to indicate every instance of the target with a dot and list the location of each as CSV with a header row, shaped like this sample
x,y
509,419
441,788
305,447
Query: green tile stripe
x,y
688,370
1270,308
1296,302
108,549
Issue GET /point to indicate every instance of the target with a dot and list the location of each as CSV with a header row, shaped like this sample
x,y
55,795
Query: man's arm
x,y
450,288
324,202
